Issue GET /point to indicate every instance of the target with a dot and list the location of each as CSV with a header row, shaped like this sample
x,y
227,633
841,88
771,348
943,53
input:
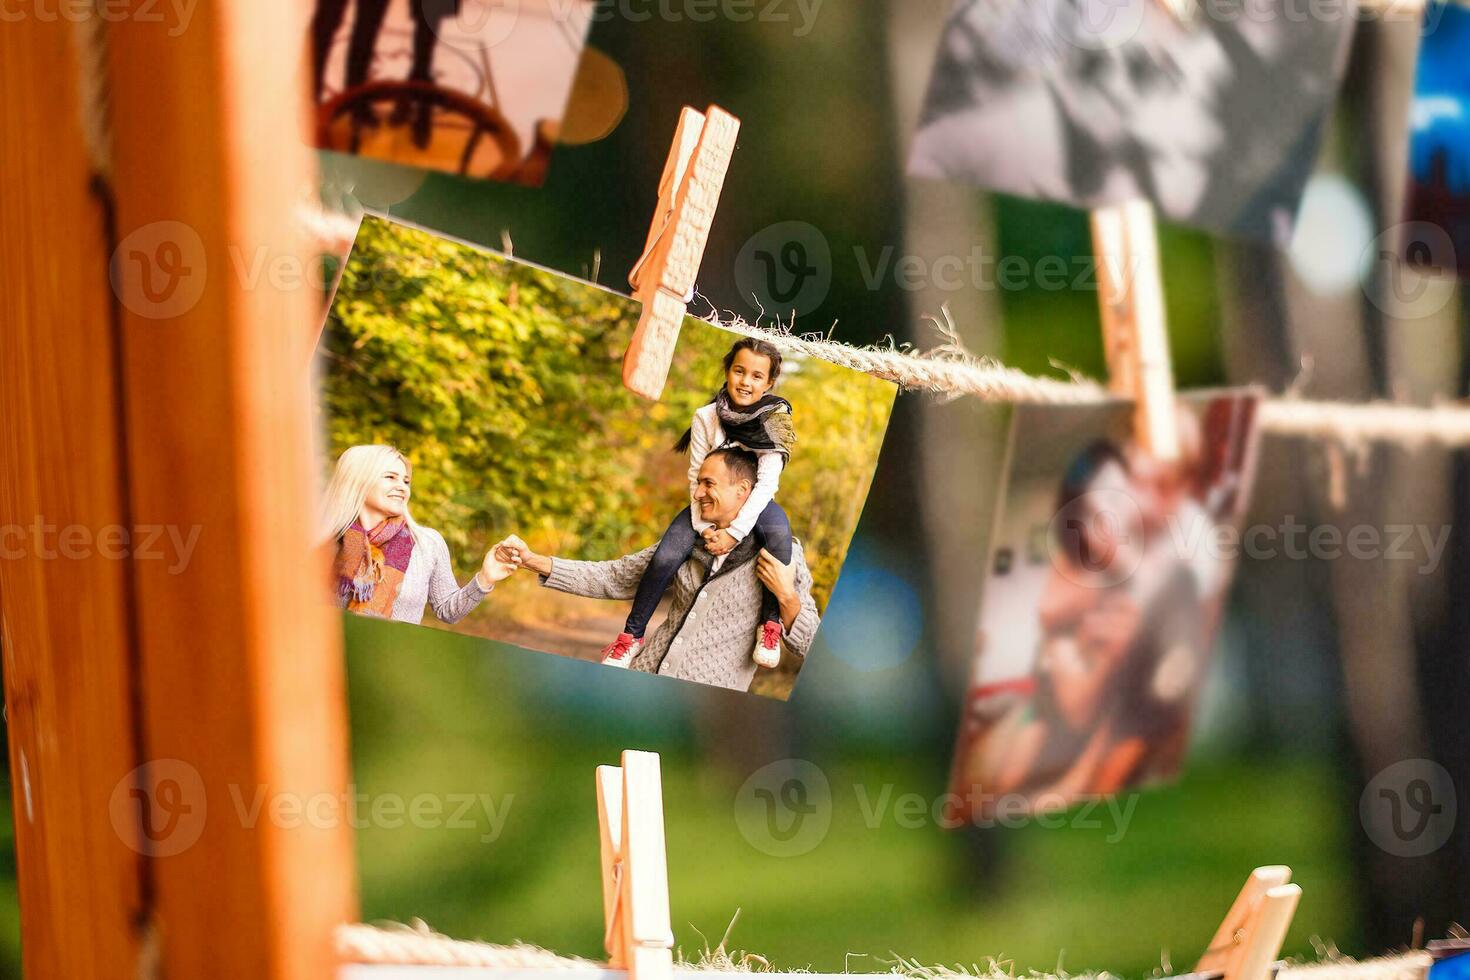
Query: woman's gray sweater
x,y
429,579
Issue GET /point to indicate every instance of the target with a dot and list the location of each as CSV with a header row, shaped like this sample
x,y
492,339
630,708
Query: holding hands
x,y
718,541
496,567
514,551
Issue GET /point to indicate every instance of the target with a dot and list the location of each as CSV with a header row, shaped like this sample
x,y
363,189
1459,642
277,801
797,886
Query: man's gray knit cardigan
x,y
709,633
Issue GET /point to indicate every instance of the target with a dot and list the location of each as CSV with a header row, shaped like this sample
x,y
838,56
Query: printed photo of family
x,y
698,537
472,87
1102,602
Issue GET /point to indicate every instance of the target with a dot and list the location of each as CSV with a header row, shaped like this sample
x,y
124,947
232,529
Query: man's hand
x,y
781,580
513,549
718,541
499,565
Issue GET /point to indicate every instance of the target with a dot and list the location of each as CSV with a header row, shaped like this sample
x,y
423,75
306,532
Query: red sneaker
x,y
620,652
768,645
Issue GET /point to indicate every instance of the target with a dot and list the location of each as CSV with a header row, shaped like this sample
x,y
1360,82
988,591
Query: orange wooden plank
x,y
63,583
241,663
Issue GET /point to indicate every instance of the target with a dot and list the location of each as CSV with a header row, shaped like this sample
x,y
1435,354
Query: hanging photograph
x,y
1212,111
489,473
1108,574
1437,202
476,88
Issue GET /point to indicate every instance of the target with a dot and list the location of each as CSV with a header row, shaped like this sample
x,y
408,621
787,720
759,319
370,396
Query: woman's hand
x,y
499,565
718,541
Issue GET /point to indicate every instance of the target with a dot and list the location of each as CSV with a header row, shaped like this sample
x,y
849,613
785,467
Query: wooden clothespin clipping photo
x,y
1130,295
663,277
635,879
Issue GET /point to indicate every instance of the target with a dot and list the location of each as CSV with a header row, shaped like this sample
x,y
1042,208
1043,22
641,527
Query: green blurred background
x,y
1296,720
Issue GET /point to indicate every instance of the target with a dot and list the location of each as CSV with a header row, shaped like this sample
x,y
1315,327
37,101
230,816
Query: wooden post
x,y
1136,341
172,401
65,620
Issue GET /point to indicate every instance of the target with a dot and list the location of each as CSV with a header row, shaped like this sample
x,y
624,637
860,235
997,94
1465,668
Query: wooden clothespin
x,y
663,277
635,877
1249,939
1135,339
1184,11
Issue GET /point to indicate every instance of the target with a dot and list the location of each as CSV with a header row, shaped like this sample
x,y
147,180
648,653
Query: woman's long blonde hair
x,y
357,469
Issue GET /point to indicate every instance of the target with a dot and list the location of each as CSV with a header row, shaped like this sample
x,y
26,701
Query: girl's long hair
x,y
357,469
755,345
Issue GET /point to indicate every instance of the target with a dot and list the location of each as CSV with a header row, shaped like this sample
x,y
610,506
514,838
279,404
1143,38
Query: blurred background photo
x,y
471,87
1107,577
1212,111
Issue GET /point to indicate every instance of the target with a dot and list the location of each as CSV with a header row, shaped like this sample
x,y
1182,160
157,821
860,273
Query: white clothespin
x,y
663,277
635,877
1250,937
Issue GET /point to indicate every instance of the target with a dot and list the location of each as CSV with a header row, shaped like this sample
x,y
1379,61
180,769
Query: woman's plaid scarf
x,y
370,566
763,427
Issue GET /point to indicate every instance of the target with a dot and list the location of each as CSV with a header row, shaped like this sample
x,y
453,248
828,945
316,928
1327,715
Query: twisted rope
x,y
952,370
418,945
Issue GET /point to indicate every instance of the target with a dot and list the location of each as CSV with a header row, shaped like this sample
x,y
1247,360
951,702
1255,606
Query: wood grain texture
x,y
241,673
666,274
1130,293
63,605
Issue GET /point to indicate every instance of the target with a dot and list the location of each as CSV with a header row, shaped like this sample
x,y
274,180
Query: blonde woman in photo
x,y
386,565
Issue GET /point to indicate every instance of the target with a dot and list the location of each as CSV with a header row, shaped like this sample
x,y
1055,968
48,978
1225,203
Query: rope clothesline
x,y
418,945
951,370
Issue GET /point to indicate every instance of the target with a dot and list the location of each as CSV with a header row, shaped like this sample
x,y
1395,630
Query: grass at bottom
x,y
463,720
1079,898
